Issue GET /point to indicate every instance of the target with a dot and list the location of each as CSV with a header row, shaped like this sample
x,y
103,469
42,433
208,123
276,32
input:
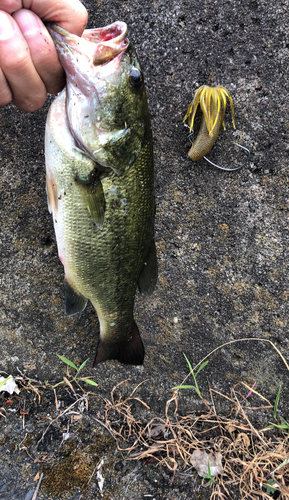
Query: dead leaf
x,y
230,428
152,449
69,384
77,417
99,476
156,430
42,458
244,437
174,463
36,477
200,460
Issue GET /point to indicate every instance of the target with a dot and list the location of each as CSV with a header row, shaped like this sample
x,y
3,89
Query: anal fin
x,y
149,274
74,301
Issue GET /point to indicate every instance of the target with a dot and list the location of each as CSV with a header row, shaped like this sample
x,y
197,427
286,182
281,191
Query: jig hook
x,y
212,101
231,169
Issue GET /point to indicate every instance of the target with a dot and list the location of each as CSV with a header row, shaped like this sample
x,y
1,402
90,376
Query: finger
x,y
5,92
27,88
10,5
70,14
42,50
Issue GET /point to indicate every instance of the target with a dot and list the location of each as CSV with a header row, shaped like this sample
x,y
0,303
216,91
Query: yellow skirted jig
x,y
213,102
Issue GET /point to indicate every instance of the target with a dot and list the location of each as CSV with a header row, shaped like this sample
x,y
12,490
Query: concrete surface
x,y
222,237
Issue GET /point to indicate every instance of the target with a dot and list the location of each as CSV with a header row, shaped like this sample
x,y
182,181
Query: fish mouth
x,y
93,69
111,40
100,45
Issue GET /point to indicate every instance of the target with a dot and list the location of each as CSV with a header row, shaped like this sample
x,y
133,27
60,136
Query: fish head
x,y
106,102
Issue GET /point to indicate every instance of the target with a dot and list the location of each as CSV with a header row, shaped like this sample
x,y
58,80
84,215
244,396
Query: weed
x,y
276,402
284,425
209,475
269,487
74,378
194,375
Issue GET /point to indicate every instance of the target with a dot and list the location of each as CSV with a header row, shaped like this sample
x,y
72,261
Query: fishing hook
x,y
231,169
218,166
190,135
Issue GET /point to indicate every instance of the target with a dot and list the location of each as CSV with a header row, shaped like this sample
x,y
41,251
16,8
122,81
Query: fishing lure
x,y
213,101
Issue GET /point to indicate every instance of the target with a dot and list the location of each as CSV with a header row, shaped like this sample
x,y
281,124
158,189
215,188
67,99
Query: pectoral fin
x,y
74,301
93,195
52,195
149,273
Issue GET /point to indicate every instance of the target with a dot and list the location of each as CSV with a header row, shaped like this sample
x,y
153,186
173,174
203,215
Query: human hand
x,y
29,66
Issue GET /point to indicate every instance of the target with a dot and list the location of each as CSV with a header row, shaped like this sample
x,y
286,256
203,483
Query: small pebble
x,y
29,495
29,428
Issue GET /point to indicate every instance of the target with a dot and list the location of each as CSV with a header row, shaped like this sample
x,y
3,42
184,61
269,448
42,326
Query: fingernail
x,y
7,28
28,22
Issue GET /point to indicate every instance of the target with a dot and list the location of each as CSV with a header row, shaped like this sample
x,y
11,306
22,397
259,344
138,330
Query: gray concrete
x,y
222,238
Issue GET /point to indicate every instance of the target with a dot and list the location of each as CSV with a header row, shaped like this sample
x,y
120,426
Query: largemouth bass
x,y
99,169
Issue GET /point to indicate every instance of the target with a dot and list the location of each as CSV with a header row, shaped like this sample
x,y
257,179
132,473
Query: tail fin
x,y
129,350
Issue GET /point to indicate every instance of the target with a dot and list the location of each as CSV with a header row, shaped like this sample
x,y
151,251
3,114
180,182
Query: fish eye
x,y
136,78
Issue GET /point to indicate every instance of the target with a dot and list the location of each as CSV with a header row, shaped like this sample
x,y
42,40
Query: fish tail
x,y
129,350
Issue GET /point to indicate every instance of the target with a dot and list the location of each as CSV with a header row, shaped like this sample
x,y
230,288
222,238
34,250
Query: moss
x,y
28,440
4,440
76,467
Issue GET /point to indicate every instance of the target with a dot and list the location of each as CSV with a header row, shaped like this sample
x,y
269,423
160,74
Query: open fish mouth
x,y
111,40
98,67
107,42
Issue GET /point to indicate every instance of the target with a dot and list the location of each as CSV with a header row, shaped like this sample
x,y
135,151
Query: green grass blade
x,y
196,387
276,402
68,362
83,364
88,381
189,364
285,422
198,391
183,387
56,385
202,366
209,475
5,380
191,370
280,426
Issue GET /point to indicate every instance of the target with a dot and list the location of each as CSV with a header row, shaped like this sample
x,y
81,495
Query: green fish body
x,y
99,165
